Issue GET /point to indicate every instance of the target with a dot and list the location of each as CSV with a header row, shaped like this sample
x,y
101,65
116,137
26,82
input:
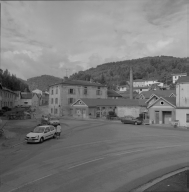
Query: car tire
x,y
54,136
41,140
136,123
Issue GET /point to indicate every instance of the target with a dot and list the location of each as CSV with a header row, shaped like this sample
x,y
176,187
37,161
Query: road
x,y
95,156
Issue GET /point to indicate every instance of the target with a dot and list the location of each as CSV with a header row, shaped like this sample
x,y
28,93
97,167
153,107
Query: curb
x,y
159,179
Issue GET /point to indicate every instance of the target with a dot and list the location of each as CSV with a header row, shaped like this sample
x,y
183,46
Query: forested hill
x,y
42,82
159,67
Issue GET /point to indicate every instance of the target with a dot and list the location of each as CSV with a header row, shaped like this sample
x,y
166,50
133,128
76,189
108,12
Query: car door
x,y
47,133
52,129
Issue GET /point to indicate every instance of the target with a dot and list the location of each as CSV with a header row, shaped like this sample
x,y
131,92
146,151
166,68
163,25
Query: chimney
x,y
131,82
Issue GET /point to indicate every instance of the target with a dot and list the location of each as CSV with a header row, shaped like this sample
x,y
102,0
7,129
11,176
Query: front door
x,y
156,117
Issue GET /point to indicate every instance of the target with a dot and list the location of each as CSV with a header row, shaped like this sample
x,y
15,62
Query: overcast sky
x,y
47,37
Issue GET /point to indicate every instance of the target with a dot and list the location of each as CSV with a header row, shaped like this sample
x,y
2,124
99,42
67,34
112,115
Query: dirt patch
x,y
15,131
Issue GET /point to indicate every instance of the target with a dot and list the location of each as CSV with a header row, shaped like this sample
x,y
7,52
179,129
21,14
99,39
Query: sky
x,y
64,37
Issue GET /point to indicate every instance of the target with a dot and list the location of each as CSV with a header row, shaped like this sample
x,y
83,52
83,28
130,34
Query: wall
x,y
63,96
152,110
8,99
132,111
181,116
182,95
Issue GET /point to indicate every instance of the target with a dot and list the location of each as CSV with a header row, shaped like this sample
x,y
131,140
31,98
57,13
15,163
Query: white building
x,y
175,77
37,91
182,101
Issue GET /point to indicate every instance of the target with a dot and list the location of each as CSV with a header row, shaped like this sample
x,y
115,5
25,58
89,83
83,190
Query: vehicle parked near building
x,y
54,121
41,133
131,120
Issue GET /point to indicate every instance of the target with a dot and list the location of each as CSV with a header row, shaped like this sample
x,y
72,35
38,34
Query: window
x,y
51,100
51,128
187,118
85,91
56,101
161,103
71,91
71,100
25,102
56,90
98,91
51,110
55,111
47,130
52,92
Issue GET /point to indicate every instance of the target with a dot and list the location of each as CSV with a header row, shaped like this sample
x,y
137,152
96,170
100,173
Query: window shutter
x,y
68,91
74,91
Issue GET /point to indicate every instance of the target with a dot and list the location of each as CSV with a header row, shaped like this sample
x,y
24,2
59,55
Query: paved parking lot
x,y
95,156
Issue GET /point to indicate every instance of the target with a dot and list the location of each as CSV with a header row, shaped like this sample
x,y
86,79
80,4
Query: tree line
x,y
10,81
117,73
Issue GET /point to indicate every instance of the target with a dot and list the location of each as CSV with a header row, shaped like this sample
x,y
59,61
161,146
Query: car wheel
x,y
41,140
136,123
54,136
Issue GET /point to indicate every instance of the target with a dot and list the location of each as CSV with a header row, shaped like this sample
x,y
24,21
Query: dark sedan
x,y
131,120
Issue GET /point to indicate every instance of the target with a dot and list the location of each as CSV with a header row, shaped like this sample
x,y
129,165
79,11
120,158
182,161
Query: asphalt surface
x,y
94,156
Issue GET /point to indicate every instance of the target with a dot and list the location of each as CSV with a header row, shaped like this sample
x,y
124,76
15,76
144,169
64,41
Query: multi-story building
x,y
142,82
182,101
175,77
7,97
63,95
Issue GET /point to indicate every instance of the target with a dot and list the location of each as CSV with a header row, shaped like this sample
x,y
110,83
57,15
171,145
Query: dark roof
x,y
26,95
146,87
112,93
80,82
126,94
171,100
113,102
6,89
183,79
159,93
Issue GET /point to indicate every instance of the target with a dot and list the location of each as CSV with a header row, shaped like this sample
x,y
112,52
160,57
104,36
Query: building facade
x,y
175,77
182,101
63,95
7,97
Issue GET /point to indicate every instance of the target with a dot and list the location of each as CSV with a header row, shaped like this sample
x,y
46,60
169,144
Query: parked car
x,y
131,120
111,115
54,121
41,133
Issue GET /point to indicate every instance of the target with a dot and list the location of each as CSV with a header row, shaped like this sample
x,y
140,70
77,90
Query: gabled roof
x,y
183,79
169,100
112,93
26,95
79,82
112,102
159,93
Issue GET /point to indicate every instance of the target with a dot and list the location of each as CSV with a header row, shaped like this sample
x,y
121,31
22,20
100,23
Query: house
x,y
44,98
7,97
175,77
113,94
162,111
142,82
63,95
140,89
164,93
99,108
23,99
36,98
182,101
37,91
123,88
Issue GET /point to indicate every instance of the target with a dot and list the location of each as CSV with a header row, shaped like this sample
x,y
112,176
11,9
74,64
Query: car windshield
x,y
39,130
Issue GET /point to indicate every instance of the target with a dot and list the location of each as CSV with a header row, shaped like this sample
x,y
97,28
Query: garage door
x,y
167,117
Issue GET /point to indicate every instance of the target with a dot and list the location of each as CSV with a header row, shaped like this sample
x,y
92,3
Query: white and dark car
x,y
54,121
41,133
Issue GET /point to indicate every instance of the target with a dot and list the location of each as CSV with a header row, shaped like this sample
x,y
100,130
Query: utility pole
x,y
131,82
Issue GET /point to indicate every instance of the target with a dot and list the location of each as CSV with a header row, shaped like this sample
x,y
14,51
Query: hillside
x,y
42,82
112,74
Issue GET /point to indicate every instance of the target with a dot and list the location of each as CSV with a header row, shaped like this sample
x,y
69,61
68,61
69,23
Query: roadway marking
x,y
93,160
85,163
